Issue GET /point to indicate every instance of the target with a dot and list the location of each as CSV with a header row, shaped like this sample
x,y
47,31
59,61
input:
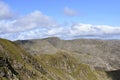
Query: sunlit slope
x,y
16,64
102,54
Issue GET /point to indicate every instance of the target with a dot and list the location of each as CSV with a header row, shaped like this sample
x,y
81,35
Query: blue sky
x,y
90,11
68,19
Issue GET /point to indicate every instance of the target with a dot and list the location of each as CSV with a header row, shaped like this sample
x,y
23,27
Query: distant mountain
x,y
56,59
102,54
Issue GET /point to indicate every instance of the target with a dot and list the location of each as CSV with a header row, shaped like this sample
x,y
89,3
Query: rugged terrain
x,y
102,54
56,59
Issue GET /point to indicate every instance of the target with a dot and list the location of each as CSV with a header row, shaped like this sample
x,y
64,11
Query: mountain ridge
x,y
105,51
49,62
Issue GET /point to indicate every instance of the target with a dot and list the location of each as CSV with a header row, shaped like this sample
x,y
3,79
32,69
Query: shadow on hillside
x,y
23,41
115,75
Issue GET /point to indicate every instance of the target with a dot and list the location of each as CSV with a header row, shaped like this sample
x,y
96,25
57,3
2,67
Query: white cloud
x,y
93,30
70,12
33,20
41,33
38,25
5,11
76,31
36,19
55,31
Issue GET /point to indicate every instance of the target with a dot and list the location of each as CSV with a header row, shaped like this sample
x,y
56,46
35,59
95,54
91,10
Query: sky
x,y
67,19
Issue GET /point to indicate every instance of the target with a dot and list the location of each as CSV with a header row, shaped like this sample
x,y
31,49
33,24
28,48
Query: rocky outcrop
x,y
115,74
6,70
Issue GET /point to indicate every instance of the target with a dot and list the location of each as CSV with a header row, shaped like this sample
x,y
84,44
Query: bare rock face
x,y
6,70
2,62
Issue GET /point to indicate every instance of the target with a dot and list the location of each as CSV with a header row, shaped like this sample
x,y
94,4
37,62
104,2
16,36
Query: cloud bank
x,y
31,21
38,25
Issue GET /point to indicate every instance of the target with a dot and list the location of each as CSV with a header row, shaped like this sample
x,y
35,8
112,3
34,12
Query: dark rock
x,y
2,62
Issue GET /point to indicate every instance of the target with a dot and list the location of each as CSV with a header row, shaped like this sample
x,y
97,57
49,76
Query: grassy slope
x,y
103,54
59,66
66,67
21,61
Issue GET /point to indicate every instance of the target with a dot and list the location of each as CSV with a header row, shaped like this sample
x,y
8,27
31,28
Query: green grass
x,y
59,66
52,63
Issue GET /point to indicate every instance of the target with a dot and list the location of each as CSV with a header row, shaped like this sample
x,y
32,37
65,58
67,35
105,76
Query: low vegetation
x,y
18,64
